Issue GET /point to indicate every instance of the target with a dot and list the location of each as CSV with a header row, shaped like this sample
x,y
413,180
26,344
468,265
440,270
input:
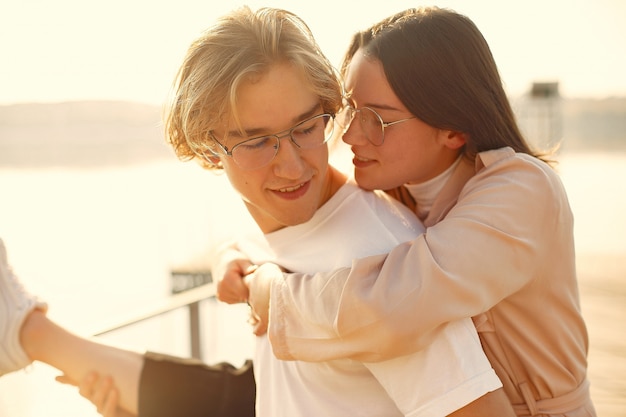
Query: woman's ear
x,y
453,139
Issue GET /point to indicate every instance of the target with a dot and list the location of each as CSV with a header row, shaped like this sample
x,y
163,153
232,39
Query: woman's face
x,y
413,151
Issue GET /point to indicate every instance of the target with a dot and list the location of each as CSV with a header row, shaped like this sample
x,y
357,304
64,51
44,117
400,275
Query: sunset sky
x,y
64,50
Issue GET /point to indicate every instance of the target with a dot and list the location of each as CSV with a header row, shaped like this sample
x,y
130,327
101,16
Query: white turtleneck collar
x,y
426,192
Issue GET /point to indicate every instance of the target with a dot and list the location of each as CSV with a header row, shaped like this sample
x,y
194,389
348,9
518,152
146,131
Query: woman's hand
x,y
259,285
102,393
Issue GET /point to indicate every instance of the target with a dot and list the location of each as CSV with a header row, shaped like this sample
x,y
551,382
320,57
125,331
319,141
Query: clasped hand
x,y
242,281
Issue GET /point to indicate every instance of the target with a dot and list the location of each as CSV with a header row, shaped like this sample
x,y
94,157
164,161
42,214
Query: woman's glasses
x,y
371,123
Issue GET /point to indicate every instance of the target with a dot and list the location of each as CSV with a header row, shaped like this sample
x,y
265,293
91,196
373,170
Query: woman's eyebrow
x,y
379,106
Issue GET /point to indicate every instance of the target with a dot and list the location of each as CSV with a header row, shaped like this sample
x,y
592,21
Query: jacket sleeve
x,y
485,249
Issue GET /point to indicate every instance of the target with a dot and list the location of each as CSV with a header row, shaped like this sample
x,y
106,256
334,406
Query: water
x,y
98,243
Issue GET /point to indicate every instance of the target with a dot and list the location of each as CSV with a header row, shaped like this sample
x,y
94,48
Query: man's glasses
x,y
371,123
259,151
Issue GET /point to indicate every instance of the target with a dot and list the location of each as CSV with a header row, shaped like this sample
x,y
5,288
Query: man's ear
x,y
209,161
213,157
453,139
215,160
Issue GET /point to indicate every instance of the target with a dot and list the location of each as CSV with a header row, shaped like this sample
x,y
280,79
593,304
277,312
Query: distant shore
x,y
102,133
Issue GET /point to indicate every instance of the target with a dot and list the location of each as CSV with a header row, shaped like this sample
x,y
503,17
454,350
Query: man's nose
x,y
288,162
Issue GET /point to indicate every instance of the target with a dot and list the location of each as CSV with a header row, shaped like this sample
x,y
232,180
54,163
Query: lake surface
x,y
98,244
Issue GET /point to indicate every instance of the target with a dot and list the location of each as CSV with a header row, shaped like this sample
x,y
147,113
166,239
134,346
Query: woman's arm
x,y
45,341
486,249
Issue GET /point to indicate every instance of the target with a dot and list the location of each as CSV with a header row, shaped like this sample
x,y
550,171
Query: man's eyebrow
x,y
262,130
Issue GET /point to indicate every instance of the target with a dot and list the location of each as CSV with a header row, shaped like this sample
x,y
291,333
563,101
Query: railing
x,y
188,290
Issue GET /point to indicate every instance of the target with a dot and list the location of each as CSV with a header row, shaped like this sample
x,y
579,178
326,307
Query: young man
x,y
256,98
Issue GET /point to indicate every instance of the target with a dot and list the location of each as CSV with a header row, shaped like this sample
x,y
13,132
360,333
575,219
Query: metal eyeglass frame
x,y
353,112
278,136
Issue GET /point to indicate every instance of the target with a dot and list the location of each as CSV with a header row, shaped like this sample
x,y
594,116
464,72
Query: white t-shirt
x,y
452,372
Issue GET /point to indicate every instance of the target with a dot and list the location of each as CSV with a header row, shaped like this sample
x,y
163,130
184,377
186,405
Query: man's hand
x,y
229,267
230,287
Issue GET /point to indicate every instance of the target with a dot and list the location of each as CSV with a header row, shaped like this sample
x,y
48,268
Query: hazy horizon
x,y
91,134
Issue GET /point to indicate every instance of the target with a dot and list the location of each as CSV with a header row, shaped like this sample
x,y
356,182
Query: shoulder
x,y
377,200
517,178
509,166
507,157
388,210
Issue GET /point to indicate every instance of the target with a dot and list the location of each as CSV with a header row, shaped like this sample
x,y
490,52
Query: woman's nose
x,y
354,134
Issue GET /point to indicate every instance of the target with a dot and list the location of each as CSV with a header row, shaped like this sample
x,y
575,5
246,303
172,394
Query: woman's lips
x,y
360,162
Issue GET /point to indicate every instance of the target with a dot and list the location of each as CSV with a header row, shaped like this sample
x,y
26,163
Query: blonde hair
x,y
241,45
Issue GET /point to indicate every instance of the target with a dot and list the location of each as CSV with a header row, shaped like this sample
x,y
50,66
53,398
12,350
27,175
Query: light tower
x,y
540,116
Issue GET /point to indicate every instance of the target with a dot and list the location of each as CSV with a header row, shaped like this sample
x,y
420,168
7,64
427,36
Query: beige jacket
x,y
499,248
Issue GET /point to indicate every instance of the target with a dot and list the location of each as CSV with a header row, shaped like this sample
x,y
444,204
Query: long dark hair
x,y
441,68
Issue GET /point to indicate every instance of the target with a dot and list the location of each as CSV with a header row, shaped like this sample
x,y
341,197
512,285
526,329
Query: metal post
x,y
194,330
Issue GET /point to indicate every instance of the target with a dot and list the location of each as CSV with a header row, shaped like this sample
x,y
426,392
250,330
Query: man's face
x,y
288,190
